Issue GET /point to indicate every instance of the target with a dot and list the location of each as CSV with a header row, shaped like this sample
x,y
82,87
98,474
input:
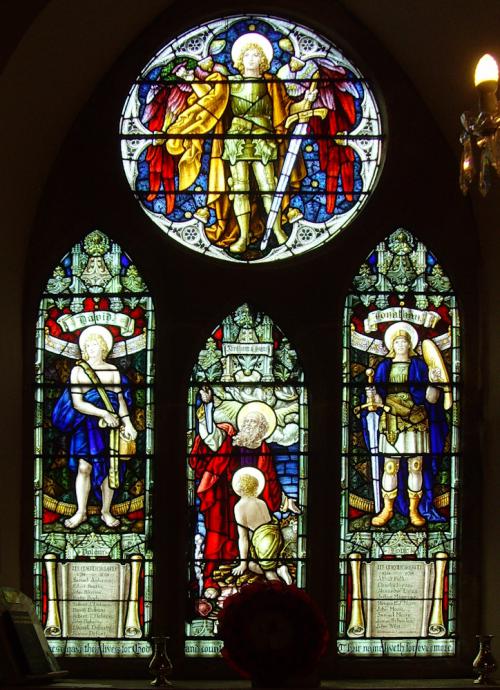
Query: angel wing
x,y
164,101
338,94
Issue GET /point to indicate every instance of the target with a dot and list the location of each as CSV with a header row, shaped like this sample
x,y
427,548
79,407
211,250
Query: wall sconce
x,y
482,131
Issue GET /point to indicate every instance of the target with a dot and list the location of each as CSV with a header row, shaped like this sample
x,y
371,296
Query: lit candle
x,y
486,82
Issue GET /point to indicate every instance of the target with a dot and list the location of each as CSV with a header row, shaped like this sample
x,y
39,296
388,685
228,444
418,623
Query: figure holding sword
x,y
250,108
373,407
254,159
404,423
301,120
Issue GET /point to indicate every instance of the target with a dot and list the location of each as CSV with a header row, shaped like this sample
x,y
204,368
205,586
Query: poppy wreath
x,y
272,633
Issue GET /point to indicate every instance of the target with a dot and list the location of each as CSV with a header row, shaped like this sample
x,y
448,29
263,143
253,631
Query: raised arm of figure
x,y
209,432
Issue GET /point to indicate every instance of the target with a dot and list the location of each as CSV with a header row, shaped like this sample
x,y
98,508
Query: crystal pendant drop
x,y
466,164
484,174
496,150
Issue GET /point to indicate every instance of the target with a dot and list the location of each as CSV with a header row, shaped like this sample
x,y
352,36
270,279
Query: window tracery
x,y
251,139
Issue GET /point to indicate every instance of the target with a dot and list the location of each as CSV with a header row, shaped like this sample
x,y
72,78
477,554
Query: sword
x,y
301,119
372,422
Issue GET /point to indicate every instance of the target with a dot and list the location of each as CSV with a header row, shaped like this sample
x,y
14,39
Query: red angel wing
x,y
338,95
164,102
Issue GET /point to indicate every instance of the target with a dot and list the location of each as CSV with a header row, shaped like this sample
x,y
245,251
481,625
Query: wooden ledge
x,y
351,684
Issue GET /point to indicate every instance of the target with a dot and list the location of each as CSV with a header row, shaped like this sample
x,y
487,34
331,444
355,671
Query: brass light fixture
x,y
482,131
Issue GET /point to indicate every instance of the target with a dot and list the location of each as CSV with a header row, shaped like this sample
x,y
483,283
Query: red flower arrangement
x,y
273,633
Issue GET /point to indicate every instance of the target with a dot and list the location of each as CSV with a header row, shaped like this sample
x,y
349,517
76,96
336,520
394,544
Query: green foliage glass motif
x,y
93,453
247,468
400,456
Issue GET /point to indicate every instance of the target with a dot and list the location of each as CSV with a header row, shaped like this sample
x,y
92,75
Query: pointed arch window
x,y
247,444
93,454
401,459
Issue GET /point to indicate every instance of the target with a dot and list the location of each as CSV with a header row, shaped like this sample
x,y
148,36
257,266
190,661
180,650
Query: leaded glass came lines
x,y
400,456
251,139
93,454
246,467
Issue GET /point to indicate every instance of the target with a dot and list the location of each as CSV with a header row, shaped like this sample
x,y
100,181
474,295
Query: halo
x,y
96,330
391,334
242,42
252,472
261,408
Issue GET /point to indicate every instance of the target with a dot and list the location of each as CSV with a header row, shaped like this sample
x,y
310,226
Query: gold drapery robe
x,y
207,111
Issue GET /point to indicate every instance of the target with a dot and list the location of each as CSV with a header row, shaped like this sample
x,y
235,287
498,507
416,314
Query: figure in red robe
x,y
218,452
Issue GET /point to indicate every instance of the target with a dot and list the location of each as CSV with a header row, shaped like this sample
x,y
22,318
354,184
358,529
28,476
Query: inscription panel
x,y
398,597
93,598
92,619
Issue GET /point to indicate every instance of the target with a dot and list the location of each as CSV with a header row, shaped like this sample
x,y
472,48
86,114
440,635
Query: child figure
x,y
260,541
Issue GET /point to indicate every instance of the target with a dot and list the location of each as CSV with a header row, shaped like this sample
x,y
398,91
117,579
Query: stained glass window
x,y
247,468
93,451
401,460
251,138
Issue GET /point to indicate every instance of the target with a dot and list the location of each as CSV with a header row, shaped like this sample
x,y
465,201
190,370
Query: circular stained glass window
x,y
251,139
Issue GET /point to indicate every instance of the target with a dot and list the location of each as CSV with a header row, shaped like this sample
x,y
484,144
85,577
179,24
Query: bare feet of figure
x,y
75,520
109,520
284,573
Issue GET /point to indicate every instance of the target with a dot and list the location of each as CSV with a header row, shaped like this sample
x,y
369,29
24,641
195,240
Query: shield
x,y
437,370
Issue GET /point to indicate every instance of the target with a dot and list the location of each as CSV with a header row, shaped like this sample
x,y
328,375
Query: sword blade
x,y
372,421
291,155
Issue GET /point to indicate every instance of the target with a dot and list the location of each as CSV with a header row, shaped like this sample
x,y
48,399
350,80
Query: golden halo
x,y
252,472
243,41
92,331
395,329
261,408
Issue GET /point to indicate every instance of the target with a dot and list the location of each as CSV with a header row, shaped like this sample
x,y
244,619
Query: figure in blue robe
x,y
89,441
415,429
